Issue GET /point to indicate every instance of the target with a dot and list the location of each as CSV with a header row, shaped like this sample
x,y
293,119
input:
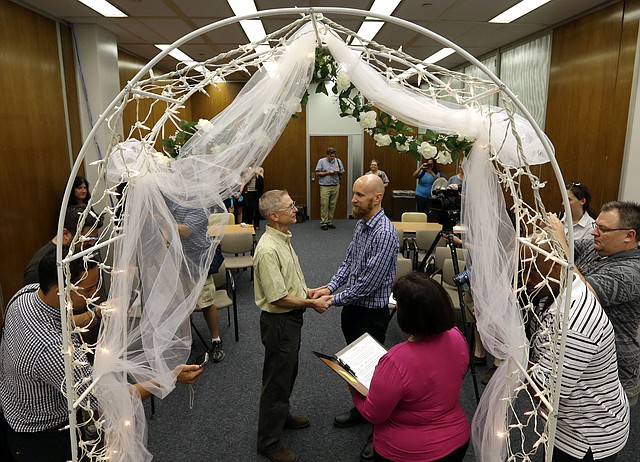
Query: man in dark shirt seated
x,y
90,233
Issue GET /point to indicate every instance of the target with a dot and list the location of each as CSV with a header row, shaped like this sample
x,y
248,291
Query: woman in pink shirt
x,y
413,398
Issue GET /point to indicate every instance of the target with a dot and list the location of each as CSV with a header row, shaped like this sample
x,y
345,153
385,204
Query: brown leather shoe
x,y
280,454
296,422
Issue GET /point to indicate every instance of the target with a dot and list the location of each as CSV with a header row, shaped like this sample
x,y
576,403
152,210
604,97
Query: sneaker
x,y
280,454
331,226
296,422
324,227
217,351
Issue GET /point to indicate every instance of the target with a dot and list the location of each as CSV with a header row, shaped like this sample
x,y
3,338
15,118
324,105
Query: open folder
x,y
356,362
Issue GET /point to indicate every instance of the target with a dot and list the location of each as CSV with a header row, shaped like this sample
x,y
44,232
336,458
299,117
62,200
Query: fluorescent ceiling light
x,y
242,7
434,58
177,54
371,26
254,29
104,8
384,6
439,55
368,30
518,10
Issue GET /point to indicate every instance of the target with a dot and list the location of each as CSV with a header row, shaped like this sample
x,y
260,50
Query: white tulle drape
x,y
420,110
153,279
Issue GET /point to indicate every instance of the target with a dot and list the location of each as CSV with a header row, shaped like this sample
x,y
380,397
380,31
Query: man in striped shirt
x,y
368,271
610,264
32,374
593,411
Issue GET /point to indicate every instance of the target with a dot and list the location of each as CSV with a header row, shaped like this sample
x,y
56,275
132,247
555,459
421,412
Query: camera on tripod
x,y
444,206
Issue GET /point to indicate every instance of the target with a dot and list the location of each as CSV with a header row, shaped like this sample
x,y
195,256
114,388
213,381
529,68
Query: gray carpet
x,y
222,425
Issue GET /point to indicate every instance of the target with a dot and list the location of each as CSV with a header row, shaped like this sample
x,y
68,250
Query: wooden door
x,y
318,146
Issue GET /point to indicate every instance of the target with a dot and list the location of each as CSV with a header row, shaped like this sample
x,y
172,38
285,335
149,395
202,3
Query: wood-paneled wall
x,y
398,167
589,91
285,167
34,148
128,67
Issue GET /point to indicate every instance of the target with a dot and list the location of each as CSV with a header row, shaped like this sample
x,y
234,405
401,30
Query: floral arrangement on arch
x,y
385,129
171,146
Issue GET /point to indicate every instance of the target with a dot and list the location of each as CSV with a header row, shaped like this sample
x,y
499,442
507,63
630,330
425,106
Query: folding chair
x,y
224,282
238,245
419,217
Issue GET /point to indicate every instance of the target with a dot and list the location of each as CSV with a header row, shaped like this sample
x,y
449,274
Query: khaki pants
x,y
328,201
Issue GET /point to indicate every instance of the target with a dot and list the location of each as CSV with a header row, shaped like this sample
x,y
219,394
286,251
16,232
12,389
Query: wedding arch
x,y
153,286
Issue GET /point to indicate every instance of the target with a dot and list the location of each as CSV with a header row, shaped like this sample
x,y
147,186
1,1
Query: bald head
x,y
368,191
371,183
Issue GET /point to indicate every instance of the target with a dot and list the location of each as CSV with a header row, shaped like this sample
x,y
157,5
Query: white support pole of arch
x,y
296,12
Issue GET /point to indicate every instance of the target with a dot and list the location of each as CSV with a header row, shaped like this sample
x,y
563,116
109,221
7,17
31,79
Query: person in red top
x,y
413,400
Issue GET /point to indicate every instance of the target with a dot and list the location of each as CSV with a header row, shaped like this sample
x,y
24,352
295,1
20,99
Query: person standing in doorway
x,y
328,170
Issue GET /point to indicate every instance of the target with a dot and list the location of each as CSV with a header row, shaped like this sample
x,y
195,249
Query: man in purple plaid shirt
x,y
368,271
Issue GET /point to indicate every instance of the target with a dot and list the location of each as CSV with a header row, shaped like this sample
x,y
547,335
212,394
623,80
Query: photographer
x,y
426,174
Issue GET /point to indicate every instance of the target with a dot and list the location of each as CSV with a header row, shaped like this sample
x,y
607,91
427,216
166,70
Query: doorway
x,y
317,149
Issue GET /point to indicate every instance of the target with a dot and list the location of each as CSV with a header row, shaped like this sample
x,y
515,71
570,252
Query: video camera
x,y
445,206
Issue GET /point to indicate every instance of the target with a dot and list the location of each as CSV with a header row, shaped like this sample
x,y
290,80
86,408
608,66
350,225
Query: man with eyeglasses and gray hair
x,y
282,295
610,265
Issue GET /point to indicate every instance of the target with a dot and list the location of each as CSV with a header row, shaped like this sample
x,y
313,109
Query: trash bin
x,y
404,200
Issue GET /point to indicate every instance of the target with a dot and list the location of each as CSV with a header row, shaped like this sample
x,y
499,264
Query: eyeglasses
x,y
604,229
288,209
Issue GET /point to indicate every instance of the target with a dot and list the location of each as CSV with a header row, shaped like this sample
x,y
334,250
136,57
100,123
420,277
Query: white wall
x,y
98,73
629,184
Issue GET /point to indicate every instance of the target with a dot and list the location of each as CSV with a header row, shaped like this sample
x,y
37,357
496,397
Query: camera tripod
x,y
468,332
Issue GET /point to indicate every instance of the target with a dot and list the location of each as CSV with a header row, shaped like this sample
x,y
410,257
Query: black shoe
x,y
479,361
324,227
349,419
280,454
331,226
217,351
296,422
366,455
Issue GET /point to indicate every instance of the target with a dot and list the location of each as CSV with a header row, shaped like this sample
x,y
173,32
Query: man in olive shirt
x,y
282,295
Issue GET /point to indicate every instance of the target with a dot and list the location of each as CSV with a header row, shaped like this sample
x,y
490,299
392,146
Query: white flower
x,y
343,80
402,147
262,139
219,148
426,150
293,105
444,157
204,125
161,160
467,138
368,119
382,140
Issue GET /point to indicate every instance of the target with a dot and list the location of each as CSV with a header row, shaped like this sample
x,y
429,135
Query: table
x,y
235,229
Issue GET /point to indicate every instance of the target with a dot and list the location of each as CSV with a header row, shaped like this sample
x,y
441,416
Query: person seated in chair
x,y
32,367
